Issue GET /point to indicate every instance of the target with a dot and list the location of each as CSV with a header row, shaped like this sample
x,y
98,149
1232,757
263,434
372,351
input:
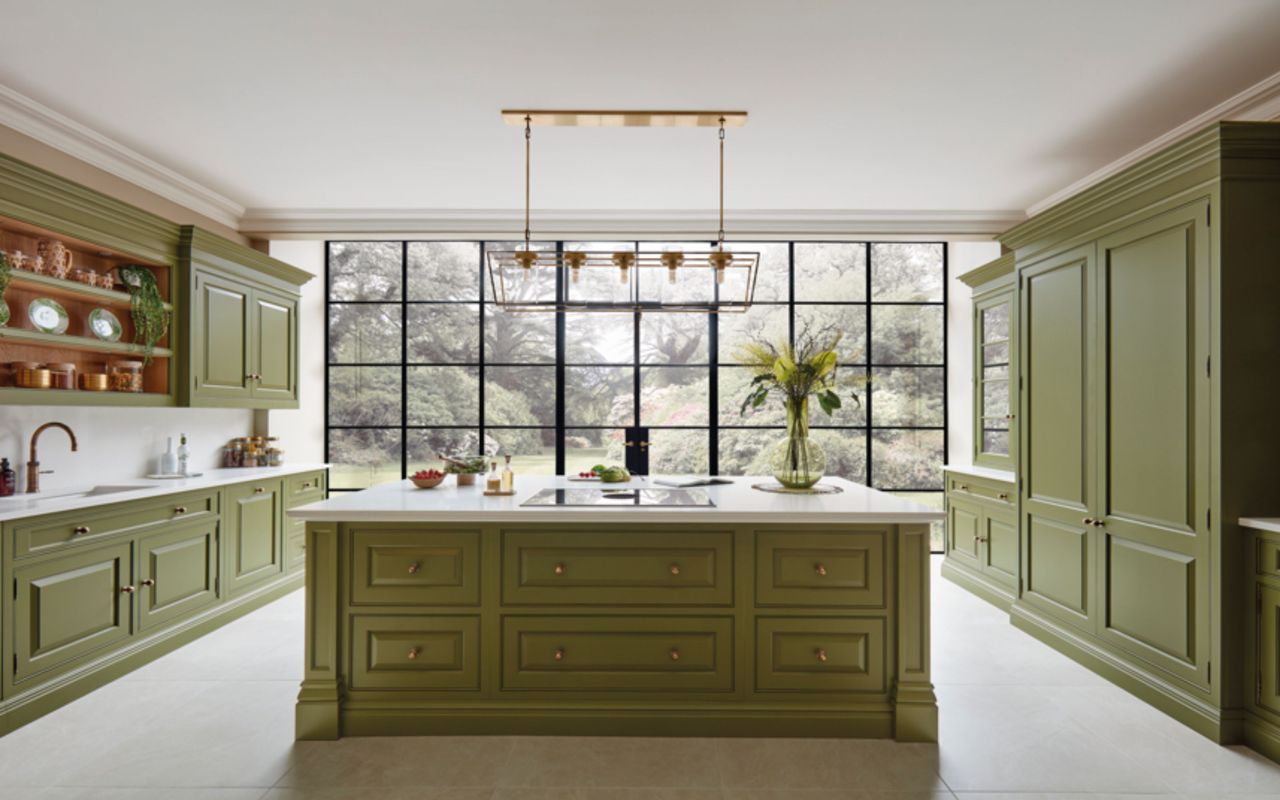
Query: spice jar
x,y
30,375
126,376
62,375
275,457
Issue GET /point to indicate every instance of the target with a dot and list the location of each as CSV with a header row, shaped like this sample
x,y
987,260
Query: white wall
x,y
962,257
301,431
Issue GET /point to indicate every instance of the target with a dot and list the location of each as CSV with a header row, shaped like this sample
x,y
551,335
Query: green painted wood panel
x,y
1266,691
820,569
1058,574
254,536
667,568
415,652
51,533
964,519
220,355
274,341
181,565
1000,531
436,567
825,654
70,608
618,653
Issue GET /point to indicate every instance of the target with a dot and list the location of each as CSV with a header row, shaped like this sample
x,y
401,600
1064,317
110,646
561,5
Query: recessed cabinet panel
x,y
1151,597
1001,534
275,346
820,655
416,652
963,521
176,572
254,533
426,567
1058,578
222,324
820,569
48,534
1267,689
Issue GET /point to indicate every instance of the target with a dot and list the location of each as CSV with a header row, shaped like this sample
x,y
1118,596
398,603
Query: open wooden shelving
x,y
71,290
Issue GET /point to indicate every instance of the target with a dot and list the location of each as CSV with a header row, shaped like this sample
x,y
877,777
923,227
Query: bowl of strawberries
x,y
427,478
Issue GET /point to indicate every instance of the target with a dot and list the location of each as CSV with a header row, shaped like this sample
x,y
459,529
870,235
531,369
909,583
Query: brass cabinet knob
x,y
128,589
628,444
1098,523
820,654
964,487
180,510
149,582
559,569
414,567
1009,416
675,569
644,445
414,652
675,654
258,490
558,655
821,570
1087,521
306,485
1003,495
80,530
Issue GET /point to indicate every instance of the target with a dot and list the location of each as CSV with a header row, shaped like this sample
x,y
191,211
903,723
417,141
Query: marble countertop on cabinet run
x,y
1271,524
990,473
31,505
734,503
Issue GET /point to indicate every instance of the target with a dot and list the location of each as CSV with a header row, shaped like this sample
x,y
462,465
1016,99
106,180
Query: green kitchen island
x,y
445,611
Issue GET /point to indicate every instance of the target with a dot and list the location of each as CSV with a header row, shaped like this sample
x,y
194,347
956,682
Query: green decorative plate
x,y
104,325
48,315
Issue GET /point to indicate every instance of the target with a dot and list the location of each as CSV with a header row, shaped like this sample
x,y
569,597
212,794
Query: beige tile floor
x,y
213,721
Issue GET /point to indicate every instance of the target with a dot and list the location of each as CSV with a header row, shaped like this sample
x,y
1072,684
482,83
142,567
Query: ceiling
x,y
906,105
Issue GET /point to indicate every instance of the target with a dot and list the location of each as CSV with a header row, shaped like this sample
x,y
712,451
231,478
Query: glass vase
x,y
797,461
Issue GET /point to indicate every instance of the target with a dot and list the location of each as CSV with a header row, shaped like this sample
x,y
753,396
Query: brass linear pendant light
x,y
532,279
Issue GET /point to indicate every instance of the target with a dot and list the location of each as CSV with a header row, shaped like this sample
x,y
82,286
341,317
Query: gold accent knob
x,y
149,582
180,510
964,487
414,567
558,655
258,490
675,654
1003,495
413,653
1087,521
643,445
821,570
558,569
820,654
675,569
1099,523
628,444
80,530
128,589
306,485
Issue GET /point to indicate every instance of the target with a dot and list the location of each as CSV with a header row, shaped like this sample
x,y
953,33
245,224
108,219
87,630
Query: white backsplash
x,y
116,444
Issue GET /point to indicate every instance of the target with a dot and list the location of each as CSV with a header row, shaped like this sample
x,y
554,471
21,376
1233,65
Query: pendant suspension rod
x,y
528,139
720,238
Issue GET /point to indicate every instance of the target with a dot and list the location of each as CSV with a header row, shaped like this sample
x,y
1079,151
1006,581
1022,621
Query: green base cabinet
x,y
981,546
575,628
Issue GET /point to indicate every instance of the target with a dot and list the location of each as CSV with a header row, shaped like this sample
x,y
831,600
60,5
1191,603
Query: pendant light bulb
x,y
672,262
624,260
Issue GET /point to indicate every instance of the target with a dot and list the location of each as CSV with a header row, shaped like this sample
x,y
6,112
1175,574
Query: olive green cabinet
x,y
981,545
177,572
255,535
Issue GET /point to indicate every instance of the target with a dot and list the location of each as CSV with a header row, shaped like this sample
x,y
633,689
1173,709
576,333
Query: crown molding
x,y
640,223
33,119
1258,103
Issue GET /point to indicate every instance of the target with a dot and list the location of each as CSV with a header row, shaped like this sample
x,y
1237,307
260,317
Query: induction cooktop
x,y
620,497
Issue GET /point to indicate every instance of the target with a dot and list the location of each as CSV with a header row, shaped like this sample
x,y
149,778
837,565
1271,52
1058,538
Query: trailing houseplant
x,y
150,319
4,284
795,373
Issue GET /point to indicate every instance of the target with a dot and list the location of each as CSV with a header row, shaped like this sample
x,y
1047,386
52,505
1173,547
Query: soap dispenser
x,y
183,455
8,479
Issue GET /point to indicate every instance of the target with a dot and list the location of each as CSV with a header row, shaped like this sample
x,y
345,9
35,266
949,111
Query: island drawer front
x,y
983,488
618,653
40,535
1267,557
407,567
307,487
821,569
694,568
415,652
828,654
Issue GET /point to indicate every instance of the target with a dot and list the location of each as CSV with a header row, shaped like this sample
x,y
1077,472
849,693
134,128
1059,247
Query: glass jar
x,y
126,376
31,375
62,375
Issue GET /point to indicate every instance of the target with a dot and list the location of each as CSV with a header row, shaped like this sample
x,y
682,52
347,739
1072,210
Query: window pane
x,y
363,458
679,452
584,448
831,272
852,388
537,285
995,398
426,447
773,275
601,396
593,337
444,333
735,385
518,337
746,452
533,452
907,459
1000,373
442,396
364,396
846,453
766,324
995,353
848,321
519,396
995,442
674,338
995,323
693,284
444,271
906,272
674,395
933,500
907,397
364,271
364,334
906,334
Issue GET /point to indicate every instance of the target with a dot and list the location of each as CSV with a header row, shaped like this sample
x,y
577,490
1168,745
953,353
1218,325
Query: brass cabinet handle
x,y
180,510
628,444
558,655
675,569
80,530
1003,495
981,539
964,487
128,589
1009,416
413,653
414,567
1087,521
821,570
306,485
1098,523
820,654
675,654
258,490
559,569
644,444
149,582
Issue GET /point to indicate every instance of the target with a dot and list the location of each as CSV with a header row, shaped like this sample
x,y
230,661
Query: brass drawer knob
x,y
1003,495
414,567
149,582
414,652
559,569
128,589
258,489
180,510
821,570
964,487
558,655
80,530
820,654
675,569
675,654
306,486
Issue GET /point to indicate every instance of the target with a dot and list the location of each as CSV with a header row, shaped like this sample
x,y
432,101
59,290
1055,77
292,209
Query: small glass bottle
x,y
8,479
493,481
184,454
508,477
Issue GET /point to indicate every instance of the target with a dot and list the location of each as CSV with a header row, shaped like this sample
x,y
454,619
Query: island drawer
x,y
826,654
821,569
307,487
40,535
619,568
618,653
415,652
428,567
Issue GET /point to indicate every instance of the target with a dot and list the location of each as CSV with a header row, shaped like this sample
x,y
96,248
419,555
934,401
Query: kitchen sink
x,y
93,492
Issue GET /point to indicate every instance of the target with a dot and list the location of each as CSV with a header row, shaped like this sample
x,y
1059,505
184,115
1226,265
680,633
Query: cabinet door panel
x,y
1154,439
1001,533
71,607
1267,644
182,567
274,341
221,347
255,539
1057,322
963,520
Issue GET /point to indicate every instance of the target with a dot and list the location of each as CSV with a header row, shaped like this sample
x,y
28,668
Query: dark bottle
x,y
8,479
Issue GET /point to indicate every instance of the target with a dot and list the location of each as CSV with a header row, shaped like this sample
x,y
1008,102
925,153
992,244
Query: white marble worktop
x,y
1261,523
734,503
990,473
125,490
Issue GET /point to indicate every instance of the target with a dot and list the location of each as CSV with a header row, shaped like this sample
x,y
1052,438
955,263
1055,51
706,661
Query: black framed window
x,y
420,361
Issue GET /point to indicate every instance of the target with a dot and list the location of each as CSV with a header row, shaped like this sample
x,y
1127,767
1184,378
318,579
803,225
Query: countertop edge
x,y
1271,524
614,515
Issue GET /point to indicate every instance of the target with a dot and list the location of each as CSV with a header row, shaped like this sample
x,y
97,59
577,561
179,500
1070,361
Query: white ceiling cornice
x,y
38,121
1258,103
643,223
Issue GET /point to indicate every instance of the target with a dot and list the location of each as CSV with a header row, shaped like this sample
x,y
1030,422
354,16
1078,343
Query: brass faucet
x,y
33,465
